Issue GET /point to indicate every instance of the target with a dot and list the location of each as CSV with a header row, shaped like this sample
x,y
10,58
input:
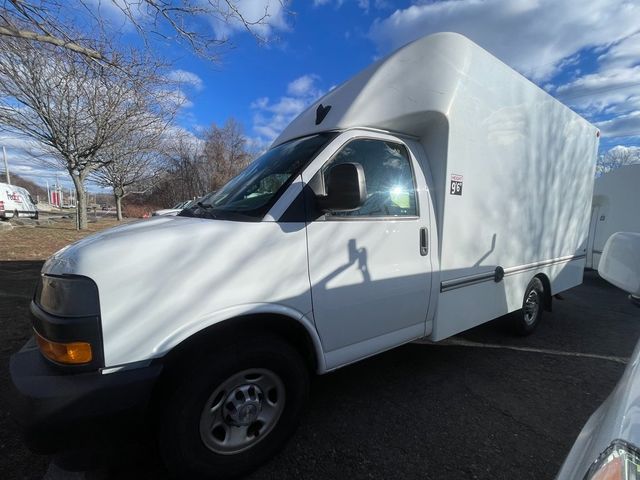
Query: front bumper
x,y
61,411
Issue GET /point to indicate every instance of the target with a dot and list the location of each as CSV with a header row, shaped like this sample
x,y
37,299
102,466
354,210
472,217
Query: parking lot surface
x,y
486,405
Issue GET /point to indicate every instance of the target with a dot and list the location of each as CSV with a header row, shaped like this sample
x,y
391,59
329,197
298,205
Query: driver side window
x,y
388,175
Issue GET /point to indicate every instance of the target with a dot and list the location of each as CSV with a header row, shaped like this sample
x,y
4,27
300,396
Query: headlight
x,y
67,296
66,319
620,461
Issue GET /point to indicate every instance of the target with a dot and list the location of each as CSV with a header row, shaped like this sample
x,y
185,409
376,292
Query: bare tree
x,y
617,157
182,169
74,108
194,166
225,153
130,165
187,22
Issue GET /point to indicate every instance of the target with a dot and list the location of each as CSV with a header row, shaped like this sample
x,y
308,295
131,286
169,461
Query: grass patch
x,y
39,243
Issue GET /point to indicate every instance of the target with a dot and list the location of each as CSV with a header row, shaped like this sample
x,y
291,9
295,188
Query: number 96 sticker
x,y
456,184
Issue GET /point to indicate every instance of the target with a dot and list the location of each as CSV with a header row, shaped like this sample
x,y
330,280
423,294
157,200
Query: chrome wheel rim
x,y
531,307
242,411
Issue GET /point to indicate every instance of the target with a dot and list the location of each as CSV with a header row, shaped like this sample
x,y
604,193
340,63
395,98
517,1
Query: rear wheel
x,y
233,409
526,320
16,214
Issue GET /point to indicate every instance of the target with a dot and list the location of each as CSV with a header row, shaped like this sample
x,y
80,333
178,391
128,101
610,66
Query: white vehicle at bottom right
x,y
608,447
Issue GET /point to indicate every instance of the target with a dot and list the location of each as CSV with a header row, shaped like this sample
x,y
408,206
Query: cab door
x,y
370,269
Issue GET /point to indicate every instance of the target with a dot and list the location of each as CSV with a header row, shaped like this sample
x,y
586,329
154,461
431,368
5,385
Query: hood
x,y
160,277
130,244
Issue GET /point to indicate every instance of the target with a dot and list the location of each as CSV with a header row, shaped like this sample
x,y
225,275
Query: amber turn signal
x,y
72,353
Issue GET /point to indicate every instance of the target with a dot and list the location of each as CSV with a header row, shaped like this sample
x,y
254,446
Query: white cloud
x,y
303,86
177,137
119,13
264,16
362,4
271,117
24,156
533,36
175,98
609,95
181,85
17,142
185,77
626,104
260,103
627,125
596,92
624,53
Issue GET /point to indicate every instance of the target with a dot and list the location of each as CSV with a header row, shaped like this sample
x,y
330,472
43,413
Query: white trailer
x,y
615,208
434,191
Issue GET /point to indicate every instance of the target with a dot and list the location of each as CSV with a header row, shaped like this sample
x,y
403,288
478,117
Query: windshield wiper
x,y
191,211
210,211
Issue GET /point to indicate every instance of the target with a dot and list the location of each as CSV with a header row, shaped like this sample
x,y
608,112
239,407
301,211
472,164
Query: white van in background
x,y
614,209
16,202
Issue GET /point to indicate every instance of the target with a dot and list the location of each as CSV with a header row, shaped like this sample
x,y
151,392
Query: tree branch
x,y
29,35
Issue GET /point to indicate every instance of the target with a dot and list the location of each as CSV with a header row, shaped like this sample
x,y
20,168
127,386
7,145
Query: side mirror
x,y
346,188
620,263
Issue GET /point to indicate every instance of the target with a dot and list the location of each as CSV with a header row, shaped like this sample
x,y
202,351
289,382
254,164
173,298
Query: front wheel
x,y
526,320
233,409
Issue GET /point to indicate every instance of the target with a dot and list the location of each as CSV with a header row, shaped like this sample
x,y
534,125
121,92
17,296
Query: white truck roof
x,y
436,74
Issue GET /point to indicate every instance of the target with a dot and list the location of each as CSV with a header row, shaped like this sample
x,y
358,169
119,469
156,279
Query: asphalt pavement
x,y
484,405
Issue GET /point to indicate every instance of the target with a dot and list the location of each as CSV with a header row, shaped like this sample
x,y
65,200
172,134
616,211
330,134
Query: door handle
x,y
424,241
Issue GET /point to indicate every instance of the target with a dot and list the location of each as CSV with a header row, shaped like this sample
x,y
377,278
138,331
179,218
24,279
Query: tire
x,y
232,409
527,319
36,216
16,215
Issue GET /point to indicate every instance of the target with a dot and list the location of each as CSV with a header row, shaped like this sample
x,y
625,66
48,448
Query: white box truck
x,y
436,190
615,208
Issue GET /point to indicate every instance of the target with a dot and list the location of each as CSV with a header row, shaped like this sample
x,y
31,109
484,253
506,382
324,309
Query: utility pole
x,y
6,165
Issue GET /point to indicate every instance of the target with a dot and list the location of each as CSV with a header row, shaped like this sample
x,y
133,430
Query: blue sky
x,y
586,53
322,45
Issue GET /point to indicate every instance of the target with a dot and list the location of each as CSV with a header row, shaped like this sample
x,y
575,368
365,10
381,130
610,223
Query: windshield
x,y
250,195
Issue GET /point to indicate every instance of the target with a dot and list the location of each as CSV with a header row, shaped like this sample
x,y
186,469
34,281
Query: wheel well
x,y
228,331
547,290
